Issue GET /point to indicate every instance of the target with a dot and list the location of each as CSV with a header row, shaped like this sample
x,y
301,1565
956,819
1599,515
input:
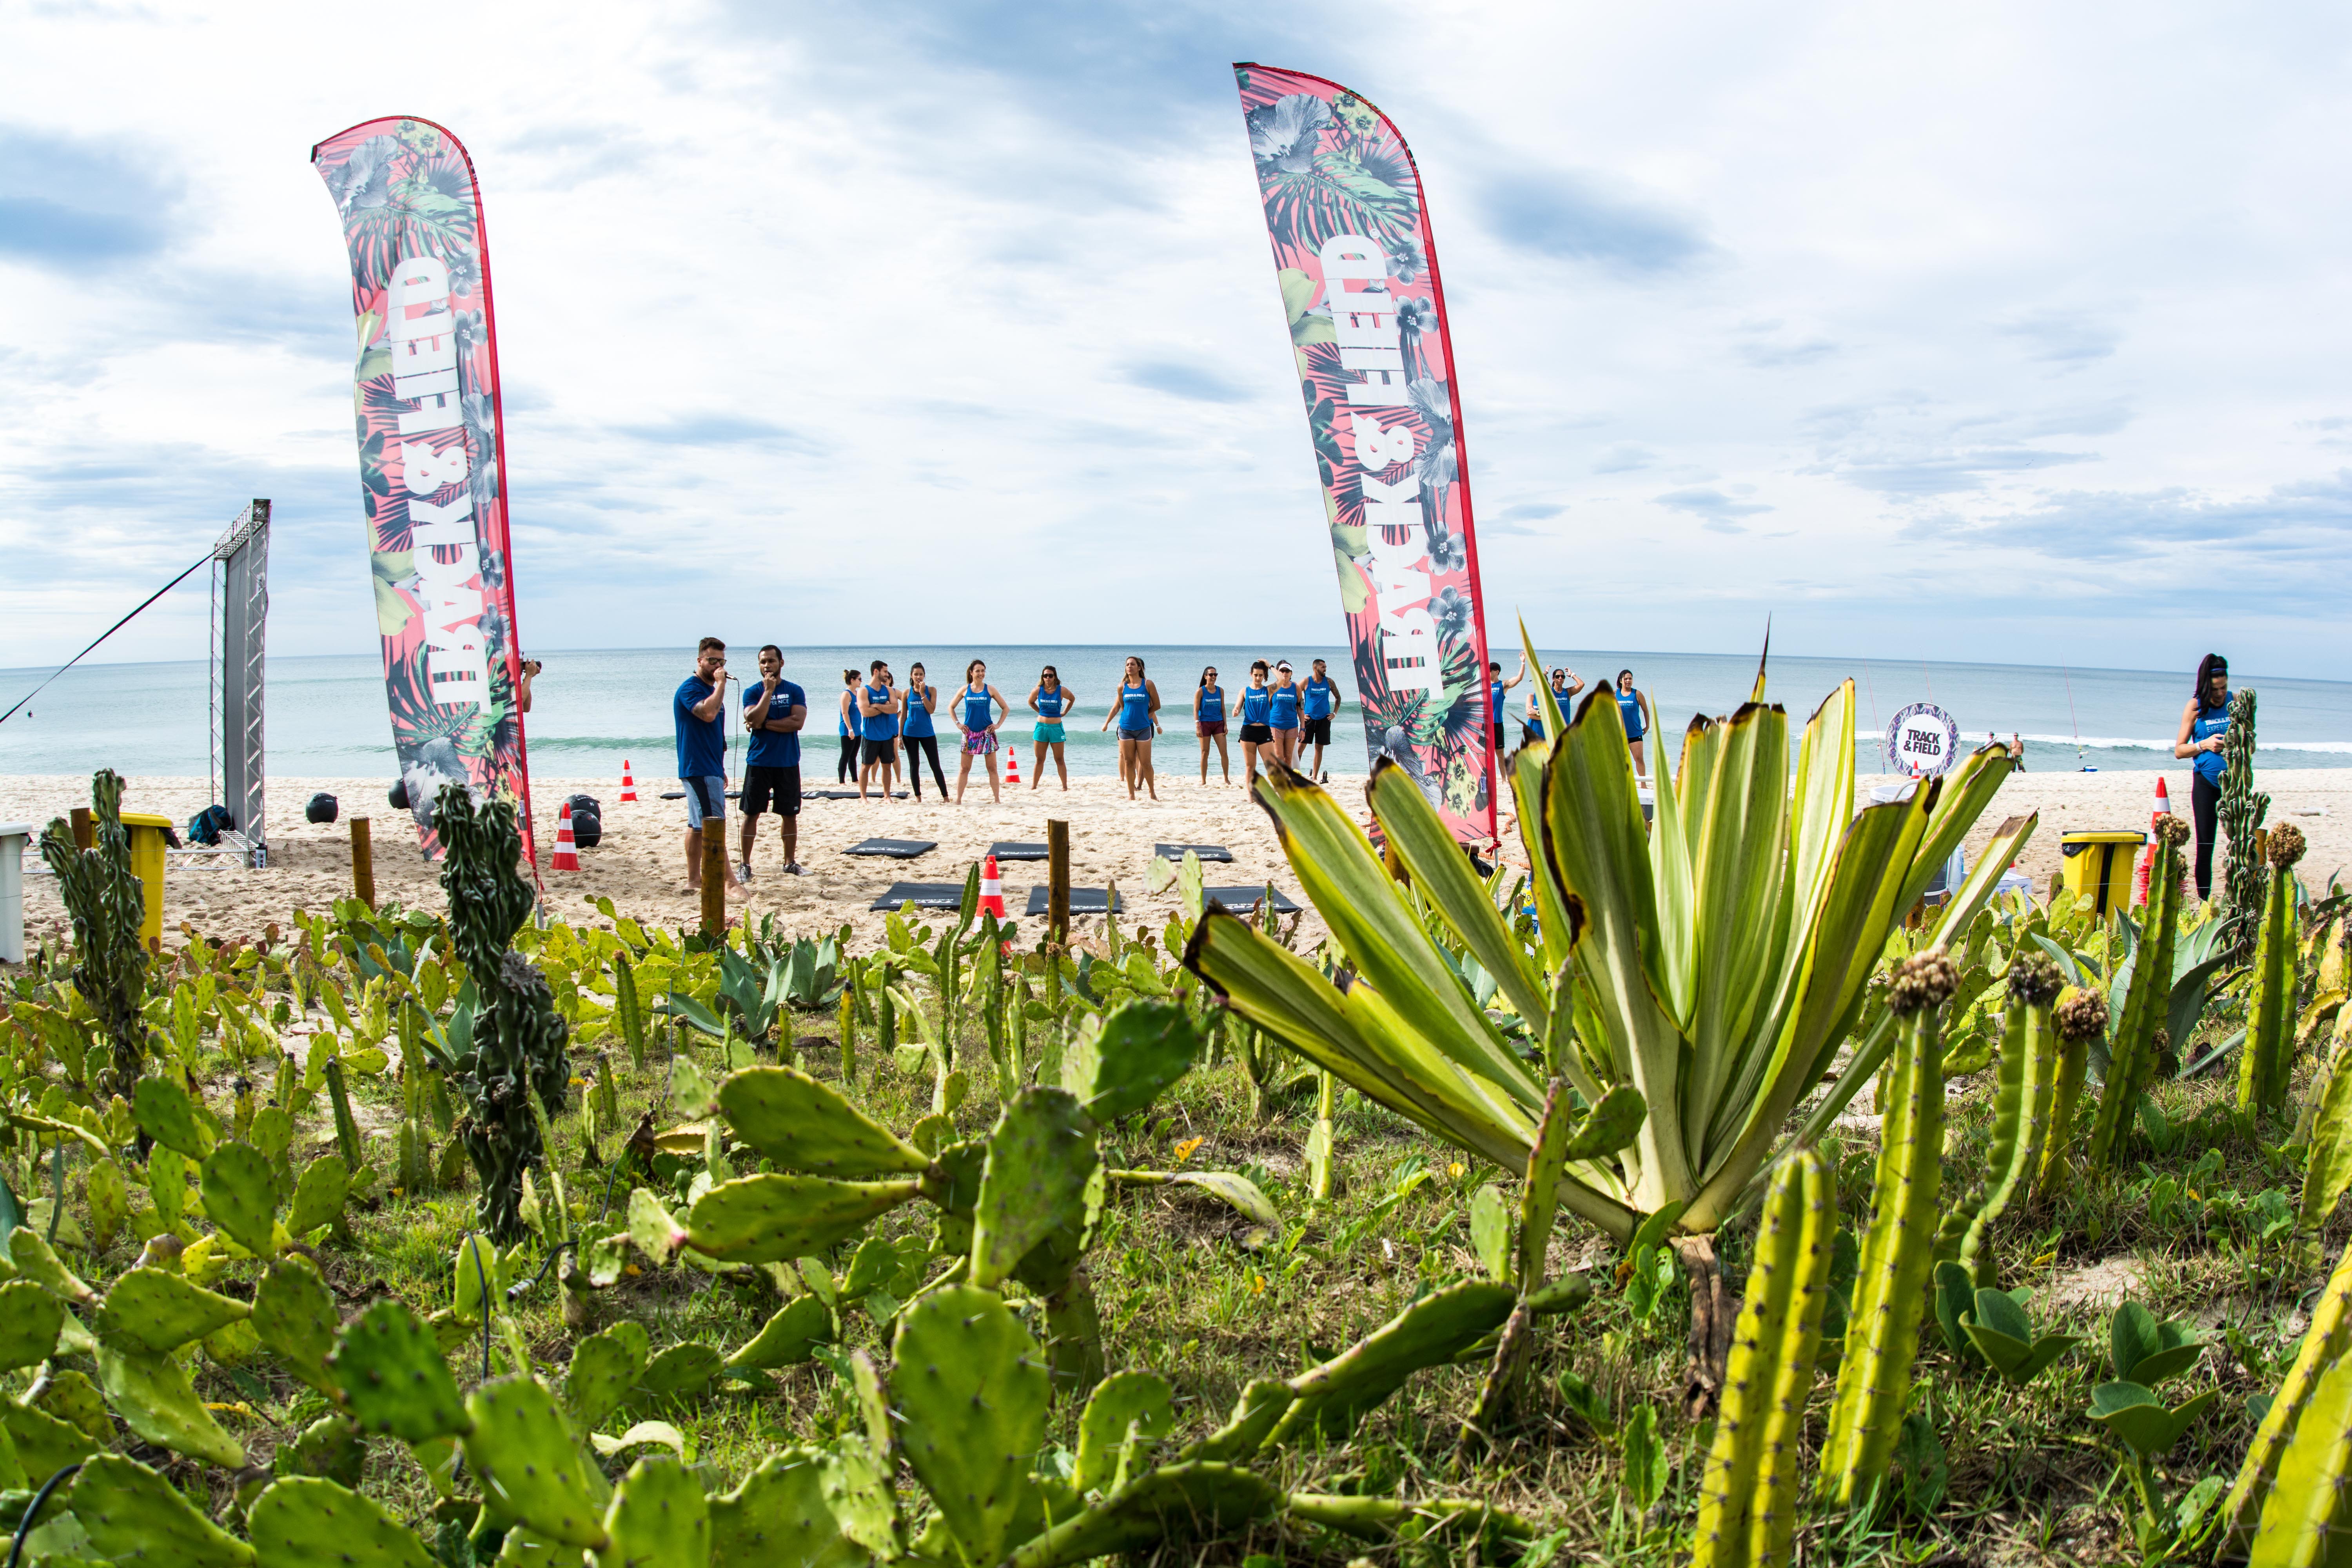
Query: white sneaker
x,y
793,869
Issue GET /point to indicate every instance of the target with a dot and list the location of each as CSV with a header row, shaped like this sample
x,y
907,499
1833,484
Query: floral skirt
x,y
979,743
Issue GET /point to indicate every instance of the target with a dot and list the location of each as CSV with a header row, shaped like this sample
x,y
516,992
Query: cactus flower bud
x,y
2171,830
2034,979
1924,979
2285,847
2082,1014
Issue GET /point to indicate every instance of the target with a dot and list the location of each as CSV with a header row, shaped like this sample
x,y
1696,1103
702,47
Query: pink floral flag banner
x,y
1359,273
432,458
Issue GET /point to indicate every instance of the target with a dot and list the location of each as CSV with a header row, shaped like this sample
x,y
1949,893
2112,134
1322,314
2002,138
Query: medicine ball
x,y
587,821
323,807
398,795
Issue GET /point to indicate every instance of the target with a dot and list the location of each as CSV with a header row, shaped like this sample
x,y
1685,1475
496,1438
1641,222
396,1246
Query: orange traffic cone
x,y
1012,764
2140,872
567,855
992,889
628,782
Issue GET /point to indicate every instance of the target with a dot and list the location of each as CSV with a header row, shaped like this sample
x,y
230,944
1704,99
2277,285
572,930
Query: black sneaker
x,y
793,869
743,874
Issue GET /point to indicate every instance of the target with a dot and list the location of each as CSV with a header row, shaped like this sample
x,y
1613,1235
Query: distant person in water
x,y
773,711
922,699
1495,706
980,710
1633,707
702,749
1320,694
1257,731
1209,723
852,728
1054,703
1136,706
1285,721
878,711
2203,721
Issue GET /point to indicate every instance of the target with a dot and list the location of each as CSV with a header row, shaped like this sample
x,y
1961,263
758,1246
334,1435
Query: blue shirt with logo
x,y
701,742
773,748
1319,691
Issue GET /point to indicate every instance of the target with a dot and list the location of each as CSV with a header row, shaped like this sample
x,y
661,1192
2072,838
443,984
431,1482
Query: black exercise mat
x,y
845,795
922,895
1018,852
680,795
1240,899
895,848
1205,851
1082,901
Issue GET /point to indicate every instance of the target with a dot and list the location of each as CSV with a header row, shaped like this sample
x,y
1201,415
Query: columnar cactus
x,y
2242,811
2029,1072
2266,1058
2080,1017
519,1037
1882,1337
2132,1048
108,907
2294,1478
1748,1502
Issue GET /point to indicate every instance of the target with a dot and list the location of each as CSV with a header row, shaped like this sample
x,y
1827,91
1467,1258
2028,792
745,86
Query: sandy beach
x,y
640,863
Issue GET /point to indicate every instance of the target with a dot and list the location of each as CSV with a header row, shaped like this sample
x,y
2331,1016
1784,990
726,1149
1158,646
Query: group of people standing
x,y
1632,706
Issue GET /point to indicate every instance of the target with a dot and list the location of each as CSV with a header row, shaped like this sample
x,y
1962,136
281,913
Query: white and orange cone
x,y
1012,764
2147,865
992,889
567,854
628,782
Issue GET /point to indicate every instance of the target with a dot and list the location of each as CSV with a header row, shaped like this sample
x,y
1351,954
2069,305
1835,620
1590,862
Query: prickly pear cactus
x,y
968,1388
531,1466
803,1125
1327,1400
1882,1338
108,907
153,1396
2029,1074
393,1378
658,1518
133,1514
780,1515
240,1196
157,1310
2132,1047
519,1040
789,1337
303,1521
1748,1502
604,1367
1043,1174
29,1320
294,1312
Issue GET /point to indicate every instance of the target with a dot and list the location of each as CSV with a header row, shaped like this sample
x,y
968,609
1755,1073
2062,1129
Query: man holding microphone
x,y
697,707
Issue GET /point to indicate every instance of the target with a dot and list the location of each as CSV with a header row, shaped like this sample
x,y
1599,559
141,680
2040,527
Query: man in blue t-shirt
x,y
702,749
773,711
1321,695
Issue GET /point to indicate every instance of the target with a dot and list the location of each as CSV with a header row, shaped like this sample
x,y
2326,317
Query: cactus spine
x,y
2029,1070
1882,1337
2132,1047
2295,1469
1747,1512
2265,1061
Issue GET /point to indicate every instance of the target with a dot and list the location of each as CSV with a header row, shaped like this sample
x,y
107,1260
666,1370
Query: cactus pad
x,y
531,1468
295,1314
1490,1233
968,1386
1128,1414
680,1372
658,1518
44,1444
788,1336
133,1514
1043,1174
240,1196
320,1195
604,1367
155,1309
1255,1415
304,1520
1143,1049
30,1318
331,1447
1431,1333
779,1515
165,1113
393,1379
774,1218
153,1396
1180,1501
803,1125
36,1261
652,1230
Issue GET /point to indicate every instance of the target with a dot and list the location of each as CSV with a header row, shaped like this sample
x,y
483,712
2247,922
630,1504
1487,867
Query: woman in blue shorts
x,y
1209,722
1257,709
1136,706
980,708
1053,703
1633,707
1284,721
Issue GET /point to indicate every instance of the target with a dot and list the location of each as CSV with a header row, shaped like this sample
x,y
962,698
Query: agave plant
x,y
1716,962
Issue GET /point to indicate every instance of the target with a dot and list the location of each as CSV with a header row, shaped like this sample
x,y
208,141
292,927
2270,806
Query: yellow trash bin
x,y
146,831
2098,866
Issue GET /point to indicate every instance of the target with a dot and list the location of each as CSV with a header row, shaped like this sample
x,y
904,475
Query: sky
x,y
2008,332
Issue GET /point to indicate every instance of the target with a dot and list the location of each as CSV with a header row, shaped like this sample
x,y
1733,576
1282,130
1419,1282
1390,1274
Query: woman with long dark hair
x,y
852,728
980,710
1633,707
1054,704
1209,722
1136,707
921,738
2203,723
1257,730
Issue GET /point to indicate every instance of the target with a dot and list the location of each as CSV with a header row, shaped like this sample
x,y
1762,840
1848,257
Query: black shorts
x,y
771,789
1315,732
871,750
1258,734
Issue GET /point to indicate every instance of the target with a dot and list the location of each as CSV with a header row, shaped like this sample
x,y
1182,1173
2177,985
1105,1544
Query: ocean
x,y
593,708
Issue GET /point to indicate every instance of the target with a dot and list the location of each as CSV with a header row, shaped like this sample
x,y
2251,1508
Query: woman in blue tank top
x,y
851,733
1284,720
919,738
1137,709
1054,705
1209,723
980,710
2203,722
1633,707
1257,709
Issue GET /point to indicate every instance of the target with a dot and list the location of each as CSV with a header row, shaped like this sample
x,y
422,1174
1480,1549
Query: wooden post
x,y
84,828
714,876
362,863
1058,868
